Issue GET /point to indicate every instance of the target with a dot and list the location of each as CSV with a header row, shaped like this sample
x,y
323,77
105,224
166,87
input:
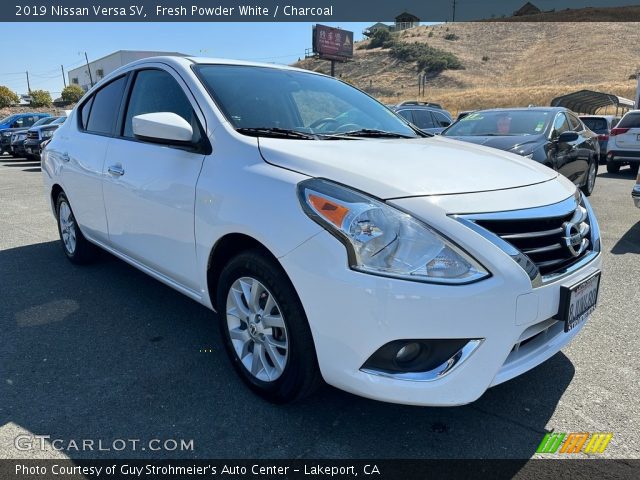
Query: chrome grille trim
x,y
576,211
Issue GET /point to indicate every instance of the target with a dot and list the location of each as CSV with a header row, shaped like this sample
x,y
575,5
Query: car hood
x,y
507,142
15,130
390,168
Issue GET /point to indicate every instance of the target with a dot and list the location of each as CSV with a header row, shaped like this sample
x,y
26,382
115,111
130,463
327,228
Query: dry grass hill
x,y
505,63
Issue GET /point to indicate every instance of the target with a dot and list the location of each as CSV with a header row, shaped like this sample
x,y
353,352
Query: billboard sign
x,y
332,43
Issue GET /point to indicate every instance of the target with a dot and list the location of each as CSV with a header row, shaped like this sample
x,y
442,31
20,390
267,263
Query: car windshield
x,y
270,100
8,119
595,124
43,121
501,122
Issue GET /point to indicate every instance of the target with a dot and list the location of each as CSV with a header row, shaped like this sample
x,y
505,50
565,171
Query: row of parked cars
x,y
23,134
571,144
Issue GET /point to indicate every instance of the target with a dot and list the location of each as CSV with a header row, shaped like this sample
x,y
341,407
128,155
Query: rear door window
x,y
406,114
106,104
423,119
441,119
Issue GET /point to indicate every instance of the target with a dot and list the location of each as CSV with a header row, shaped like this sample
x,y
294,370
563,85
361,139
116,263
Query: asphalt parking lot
x,y
105,352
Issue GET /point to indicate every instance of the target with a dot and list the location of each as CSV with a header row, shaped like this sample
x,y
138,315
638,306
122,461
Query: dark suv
x,y
602,125
428,117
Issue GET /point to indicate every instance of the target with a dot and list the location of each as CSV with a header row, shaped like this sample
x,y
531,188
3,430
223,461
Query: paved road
x,y
104,352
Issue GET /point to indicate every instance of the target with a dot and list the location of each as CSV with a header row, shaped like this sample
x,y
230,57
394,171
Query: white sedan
x,y
334,240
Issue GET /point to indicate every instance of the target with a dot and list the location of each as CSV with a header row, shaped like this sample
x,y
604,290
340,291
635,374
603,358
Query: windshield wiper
x,y
371,133
276,132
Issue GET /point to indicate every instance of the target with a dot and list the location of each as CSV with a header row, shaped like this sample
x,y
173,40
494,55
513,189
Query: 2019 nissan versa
x,y
335,241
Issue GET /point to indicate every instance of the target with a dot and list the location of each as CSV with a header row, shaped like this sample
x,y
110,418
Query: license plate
x,y
28,150
578,301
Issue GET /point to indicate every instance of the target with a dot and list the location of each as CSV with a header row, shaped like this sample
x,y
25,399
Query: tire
x,y
613,167
280,375
74,245
634,168
590,181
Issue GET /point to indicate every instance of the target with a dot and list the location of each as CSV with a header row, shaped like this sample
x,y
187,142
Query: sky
x,y
41,48
65,44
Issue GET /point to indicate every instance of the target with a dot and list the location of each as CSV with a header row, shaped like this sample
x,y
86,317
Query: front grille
x,y
33,135
552,243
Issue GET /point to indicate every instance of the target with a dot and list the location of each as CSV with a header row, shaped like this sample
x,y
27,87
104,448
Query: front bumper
x,y
635,194
352,314
33,146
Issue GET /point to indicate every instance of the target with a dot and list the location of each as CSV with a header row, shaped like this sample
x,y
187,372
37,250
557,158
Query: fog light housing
x,y
413,355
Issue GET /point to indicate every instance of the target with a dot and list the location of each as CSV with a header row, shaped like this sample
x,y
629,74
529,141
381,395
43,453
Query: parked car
x,y
334,240
36,136
624,143
15,122
19,135
428,117
636,192
602,125
553,136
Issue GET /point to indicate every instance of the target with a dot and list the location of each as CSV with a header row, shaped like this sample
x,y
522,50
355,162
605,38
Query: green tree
x,y
7,97
40,98
72,93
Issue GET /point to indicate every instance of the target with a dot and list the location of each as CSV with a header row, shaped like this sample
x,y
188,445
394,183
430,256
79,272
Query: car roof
x,y
599,116
525,109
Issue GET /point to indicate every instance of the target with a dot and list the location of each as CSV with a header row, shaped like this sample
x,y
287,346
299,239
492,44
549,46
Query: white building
x,y
105,65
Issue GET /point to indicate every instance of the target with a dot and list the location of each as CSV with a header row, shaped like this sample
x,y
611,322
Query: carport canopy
x,y
589,102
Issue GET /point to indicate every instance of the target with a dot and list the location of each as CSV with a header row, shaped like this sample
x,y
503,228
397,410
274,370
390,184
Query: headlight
x,y
46,133
7,134
383,240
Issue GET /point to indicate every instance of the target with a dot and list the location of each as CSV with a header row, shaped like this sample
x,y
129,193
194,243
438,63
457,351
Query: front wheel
x,y
265,329
75,246
590,182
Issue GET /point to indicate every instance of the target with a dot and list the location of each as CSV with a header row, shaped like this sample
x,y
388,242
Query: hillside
x,y
588,14
505,63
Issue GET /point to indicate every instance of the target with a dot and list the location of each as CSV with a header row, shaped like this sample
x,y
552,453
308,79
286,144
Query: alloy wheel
x,y
67,227
257,329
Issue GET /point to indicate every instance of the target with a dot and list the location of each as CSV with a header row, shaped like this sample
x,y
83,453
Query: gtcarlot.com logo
x,y
574,442
44,442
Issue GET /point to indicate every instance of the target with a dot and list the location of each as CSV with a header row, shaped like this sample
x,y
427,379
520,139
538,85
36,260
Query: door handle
x,y
116,170
65,157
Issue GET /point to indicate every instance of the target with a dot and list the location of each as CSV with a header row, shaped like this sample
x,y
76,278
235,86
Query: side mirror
x,y
567,137
162,127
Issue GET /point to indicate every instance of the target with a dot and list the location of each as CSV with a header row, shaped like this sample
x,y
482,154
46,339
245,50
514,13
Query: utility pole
x,y
637,106
454,11
64,80
28,84
88,68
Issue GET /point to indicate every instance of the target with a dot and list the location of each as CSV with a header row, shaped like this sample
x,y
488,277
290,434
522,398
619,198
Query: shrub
x,y
72,93
40,98
428,59
7,97
485,58
381,38
430,34
451,36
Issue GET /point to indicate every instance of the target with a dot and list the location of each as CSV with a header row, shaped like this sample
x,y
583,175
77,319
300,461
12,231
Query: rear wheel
x,y
613,167
634,168
265,329
590,182
75,246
